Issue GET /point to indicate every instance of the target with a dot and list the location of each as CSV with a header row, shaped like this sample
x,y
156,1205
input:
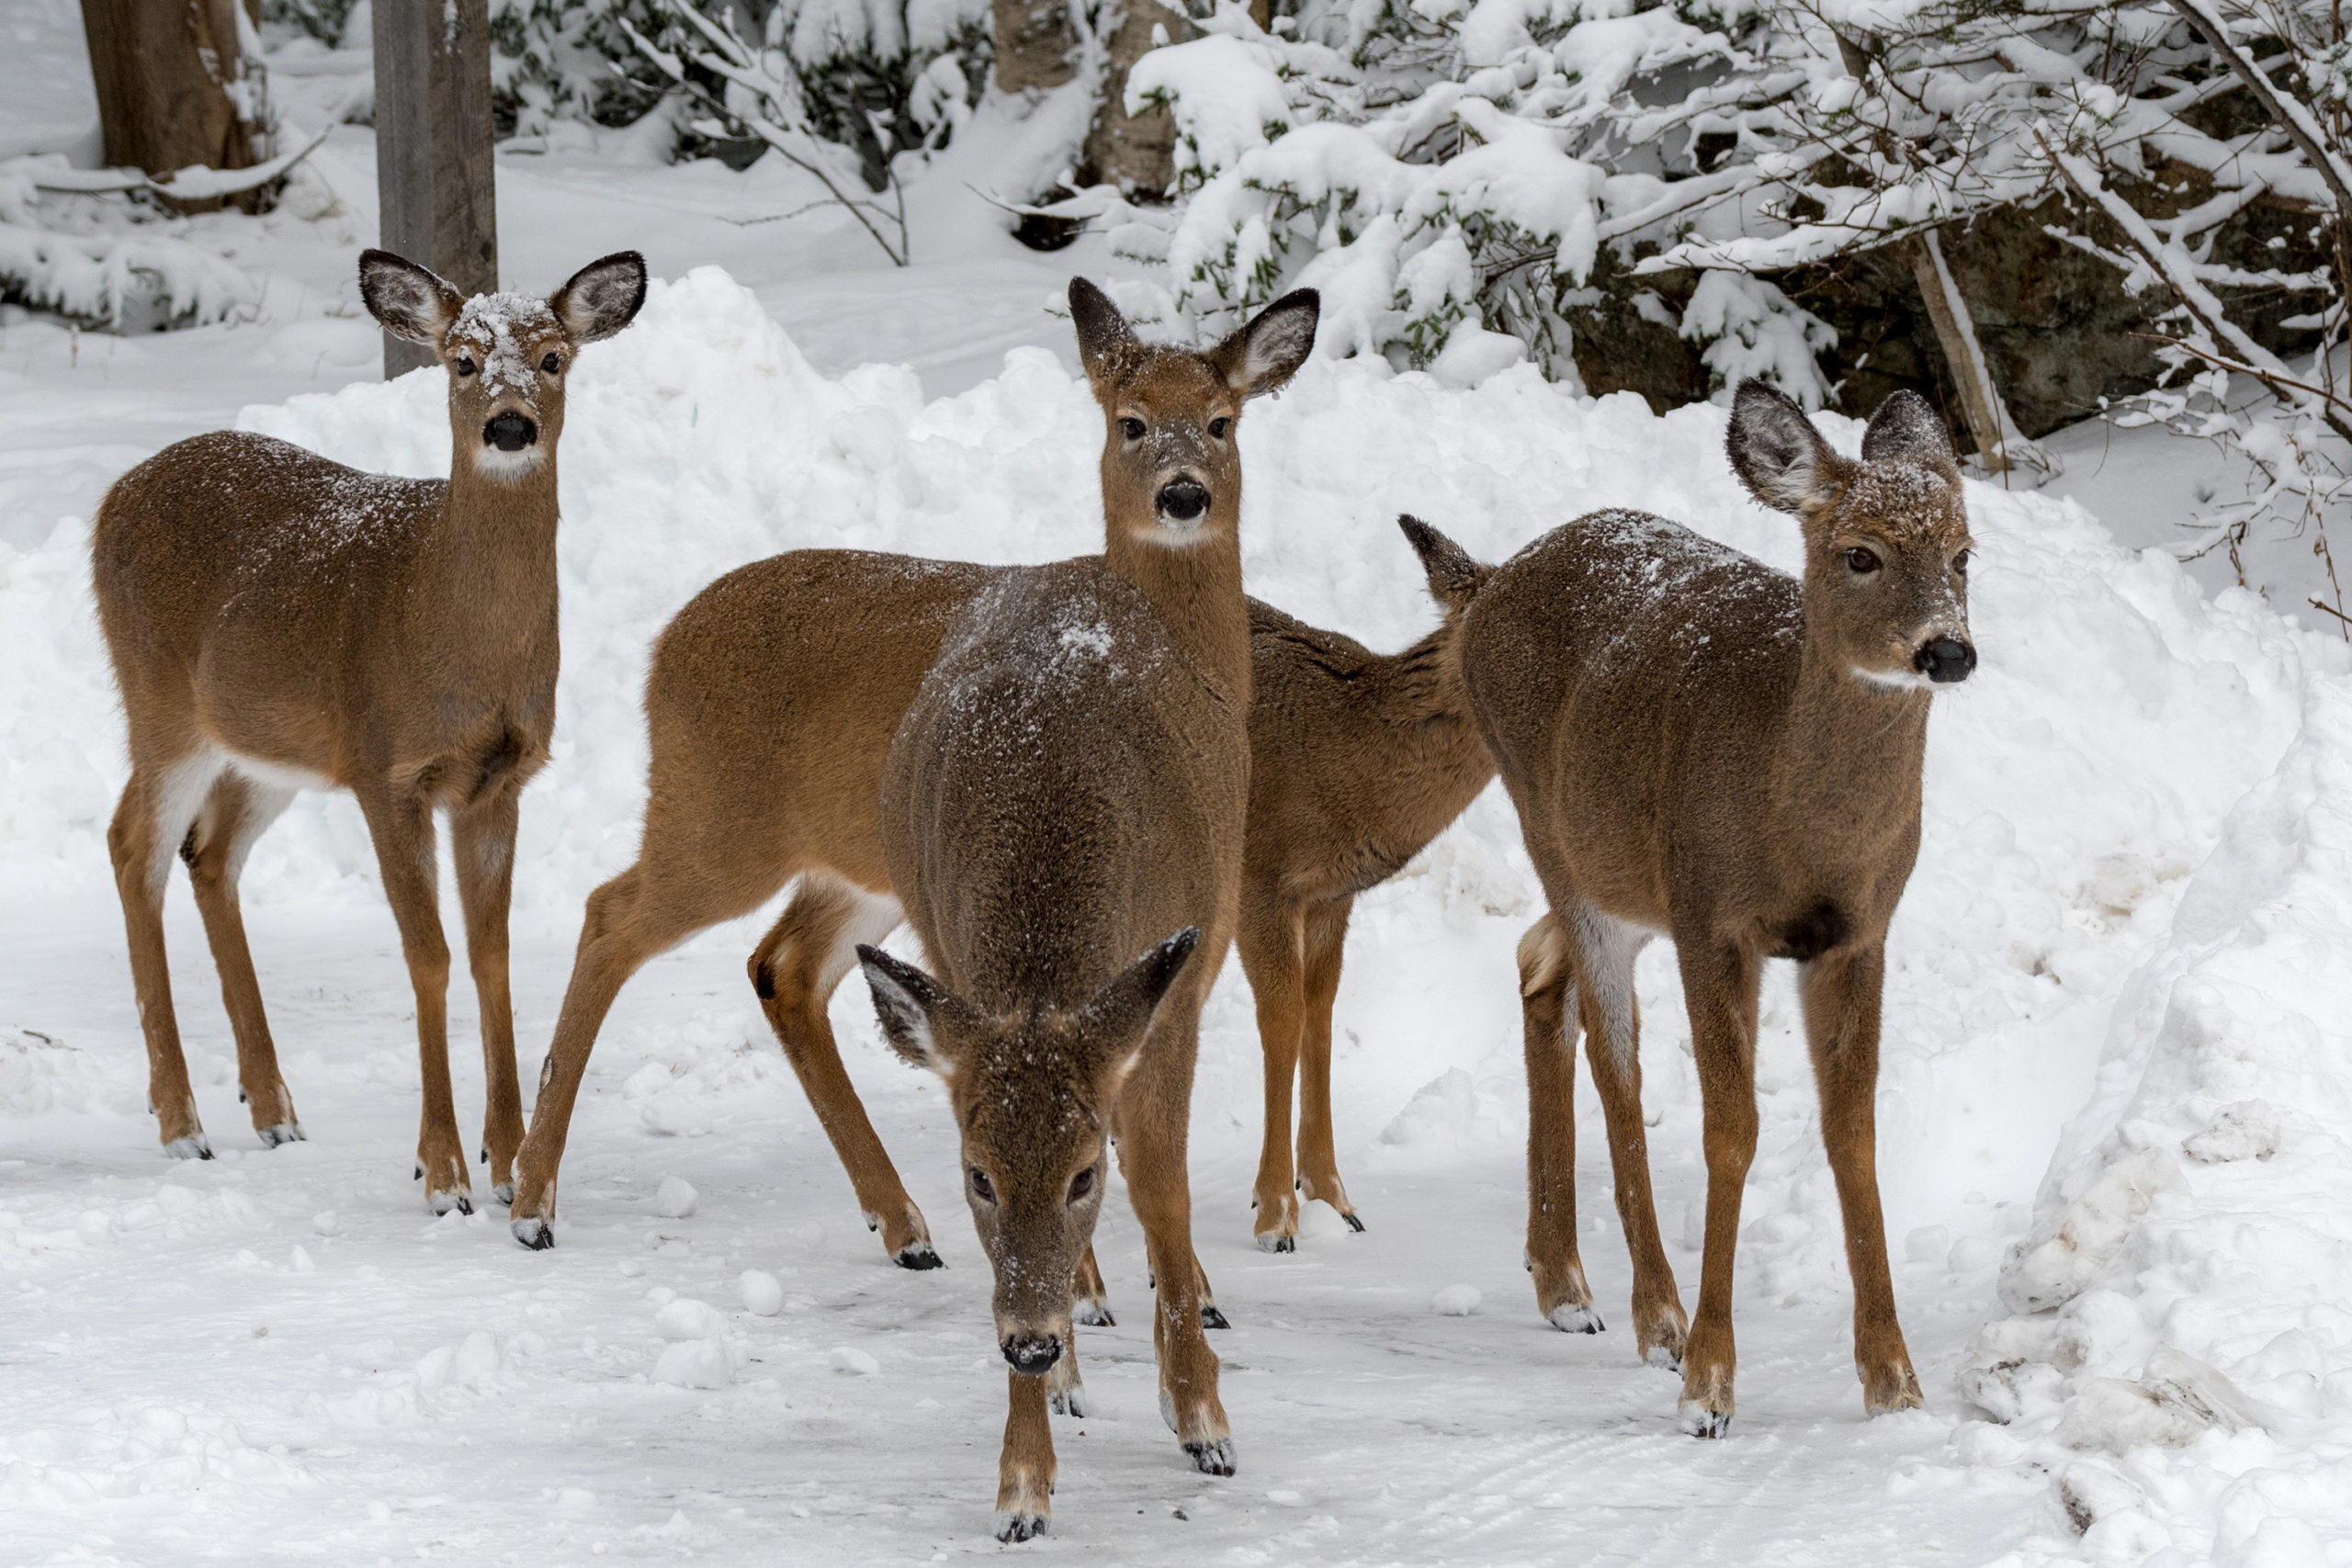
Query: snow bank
x,y
2054,948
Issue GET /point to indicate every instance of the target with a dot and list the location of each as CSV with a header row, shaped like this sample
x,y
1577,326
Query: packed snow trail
x,y
425,1386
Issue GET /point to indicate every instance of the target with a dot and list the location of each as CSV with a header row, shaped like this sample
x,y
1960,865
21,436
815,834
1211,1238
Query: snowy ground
x,y
2116,974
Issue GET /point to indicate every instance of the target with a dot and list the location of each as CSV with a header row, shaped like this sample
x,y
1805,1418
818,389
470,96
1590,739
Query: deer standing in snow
x,y
1703,749
1070,788
770,707
1357,760
279,622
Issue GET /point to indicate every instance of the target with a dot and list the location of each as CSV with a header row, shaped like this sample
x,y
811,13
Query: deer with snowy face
x,y
1704,749
1069,788
279,622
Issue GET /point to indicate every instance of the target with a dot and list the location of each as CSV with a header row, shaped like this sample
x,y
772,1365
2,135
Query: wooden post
x,y
434,179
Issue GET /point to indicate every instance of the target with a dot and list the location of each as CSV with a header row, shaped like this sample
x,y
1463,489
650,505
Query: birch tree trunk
x,y
2000,445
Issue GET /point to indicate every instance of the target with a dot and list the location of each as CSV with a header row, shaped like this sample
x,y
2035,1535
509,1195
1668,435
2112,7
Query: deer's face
x,y
1034,1093
1171,472
1886,539
506,355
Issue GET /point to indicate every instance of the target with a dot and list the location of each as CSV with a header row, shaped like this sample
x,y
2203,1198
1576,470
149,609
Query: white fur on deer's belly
x,y
277,775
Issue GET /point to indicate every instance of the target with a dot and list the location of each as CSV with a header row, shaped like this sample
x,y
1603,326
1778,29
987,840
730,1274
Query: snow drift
x,y
2188,1256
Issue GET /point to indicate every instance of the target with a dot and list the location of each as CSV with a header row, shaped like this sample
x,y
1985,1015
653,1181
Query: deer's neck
x,y
491,570
1851,755
1194,587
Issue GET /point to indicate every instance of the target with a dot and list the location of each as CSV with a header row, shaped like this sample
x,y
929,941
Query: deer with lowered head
x,y
1069,789
1703,749
279,622
770,707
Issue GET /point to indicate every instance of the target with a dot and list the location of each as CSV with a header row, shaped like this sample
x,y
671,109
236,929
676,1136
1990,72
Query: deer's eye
x,y
465,367
1081,1184
1861,562
1218,427
1131,427
1960,562
982,1187
552,364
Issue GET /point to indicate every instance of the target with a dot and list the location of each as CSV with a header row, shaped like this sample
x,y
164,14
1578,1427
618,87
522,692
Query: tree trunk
x,y
2000,446
172,86
1034,44
1136,152
435,182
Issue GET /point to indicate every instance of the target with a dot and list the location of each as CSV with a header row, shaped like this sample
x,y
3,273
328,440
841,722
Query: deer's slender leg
x,y
1024,1468
1270,937
1318,1164
481,841
1611,1015
1719,980
1152,1128
812,944
234,815
1089,1298
1066,1389
670,893
400,822
151,822
1841,993
1547,1001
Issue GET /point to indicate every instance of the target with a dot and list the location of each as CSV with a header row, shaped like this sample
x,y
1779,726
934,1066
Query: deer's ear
x,y
1114,1019
1454,573
600,298
1905,427
911,1007
412,302
1778,453
1266,353
1101,330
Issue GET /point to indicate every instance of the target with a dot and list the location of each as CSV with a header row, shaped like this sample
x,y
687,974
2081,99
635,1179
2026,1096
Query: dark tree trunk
x,y
1033,43
164,70
1136,152
435,182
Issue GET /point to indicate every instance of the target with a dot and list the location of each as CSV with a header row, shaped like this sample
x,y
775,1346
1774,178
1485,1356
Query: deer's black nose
x,y
1944,660
1032,1353
1180,500
510,432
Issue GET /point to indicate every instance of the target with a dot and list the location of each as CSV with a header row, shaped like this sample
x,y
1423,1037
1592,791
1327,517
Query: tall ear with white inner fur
x,y
412,302
1778,453
1263,356
908,1002
600,298
1117,1017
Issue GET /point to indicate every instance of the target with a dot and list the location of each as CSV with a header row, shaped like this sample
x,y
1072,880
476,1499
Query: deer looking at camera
x,y
1357,760
1703,749
770,707
279,622
1071,786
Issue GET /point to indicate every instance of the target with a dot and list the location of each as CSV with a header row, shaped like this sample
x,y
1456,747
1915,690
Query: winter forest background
x,y
2106,240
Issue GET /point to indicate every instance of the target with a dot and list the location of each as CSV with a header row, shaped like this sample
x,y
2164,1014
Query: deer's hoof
x,y
918,1256
1070,1401
1019,1524
535,1233
1698,1421
504,1193
194,1147
1892,1389
1092,1315
1354,1224
1274,1241
1570,1318
1211,1459
1210,1316
444,1203
284,1133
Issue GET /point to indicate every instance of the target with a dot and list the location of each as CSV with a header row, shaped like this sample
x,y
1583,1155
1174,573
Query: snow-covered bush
x,y
99,256
837,119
